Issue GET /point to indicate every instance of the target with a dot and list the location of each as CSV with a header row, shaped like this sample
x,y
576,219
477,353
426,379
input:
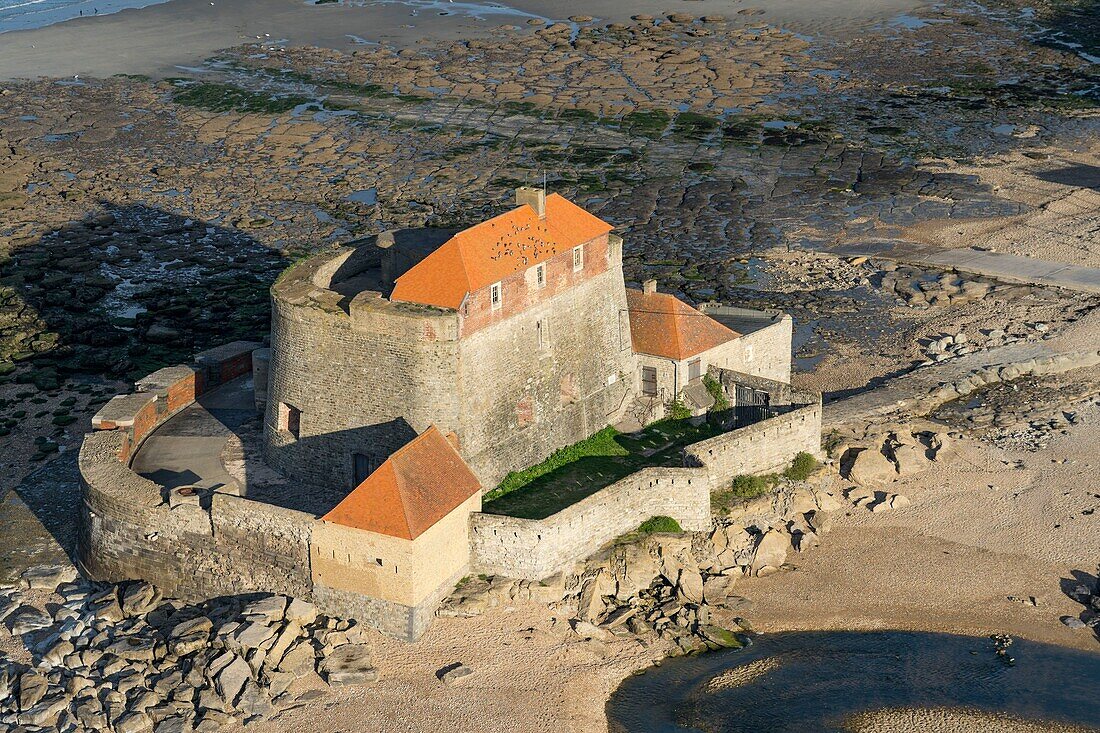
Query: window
x,y
542,333
649,381
695,369
540,276
362,466
749,352
578,258
494,295
290,419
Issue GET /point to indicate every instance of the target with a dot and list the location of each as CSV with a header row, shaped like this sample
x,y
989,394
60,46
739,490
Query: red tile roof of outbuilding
x,y
492,250
412,490
663,325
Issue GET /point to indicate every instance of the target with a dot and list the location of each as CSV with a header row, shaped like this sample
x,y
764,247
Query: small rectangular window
x,y
290,419
540,275
578,258
649,381
695,369
494,295
542,331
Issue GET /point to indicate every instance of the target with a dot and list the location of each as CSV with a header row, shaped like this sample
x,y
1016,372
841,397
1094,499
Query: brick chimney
x,y
649,286
535,197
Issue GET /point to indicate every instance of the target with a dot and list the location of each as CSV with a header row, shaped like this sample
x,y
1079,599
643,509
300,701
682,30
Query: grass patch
x,y
579,470
578,115
657,524
677,410
602,444
694,125
801,467
225,97
647,123
747,486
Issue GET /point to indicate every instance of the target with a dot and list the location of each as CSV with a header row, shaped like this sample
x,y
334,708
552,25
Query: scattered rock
x,y
452,674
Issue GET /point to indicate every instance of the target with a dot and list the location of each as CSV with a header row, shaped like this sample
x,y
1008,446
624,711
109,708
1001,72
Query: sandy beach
x,y
159,39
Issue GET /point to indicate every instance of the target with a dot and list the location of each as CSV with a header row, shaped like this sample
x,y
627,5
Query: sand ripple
x,y
951,720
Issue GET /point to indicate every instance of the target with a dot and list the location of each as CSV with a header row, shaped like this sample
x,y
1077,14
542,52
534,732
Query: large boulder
x,y
771,552
690,585
911,459
870,467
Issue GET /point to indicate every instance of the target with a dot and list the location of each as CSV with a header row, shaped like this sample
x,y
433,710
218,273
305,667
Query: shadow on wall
x,y
323,469
117,295
130,289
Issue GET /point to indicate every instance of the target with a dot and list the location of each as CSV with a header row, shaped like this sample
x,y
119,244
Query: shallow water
x,y
17,15
823,678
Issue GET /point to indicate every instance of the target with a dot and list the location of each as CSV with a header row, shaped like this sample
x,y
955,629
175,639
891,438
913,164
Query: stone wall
x,y
765,352
545,378
366,379
128,531
218,545
535,549
766,446
203,546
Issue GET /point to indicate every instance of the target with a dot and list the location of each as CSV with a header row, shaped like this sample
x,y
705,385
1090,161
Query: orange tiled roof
x,y
492,250
664,325
412,490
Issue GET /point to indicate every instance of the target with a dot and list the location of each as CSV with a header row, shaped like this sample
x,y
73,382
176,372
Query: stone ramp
x,y
923,389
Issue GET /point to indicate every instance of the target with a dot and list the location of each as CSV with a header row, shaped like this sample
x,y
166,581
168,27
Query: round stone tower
x,y
354,376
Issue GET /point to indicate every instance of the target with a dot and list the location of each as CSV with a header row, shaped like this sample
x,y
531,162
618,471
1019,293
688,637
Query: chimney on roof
x,y
649,287
533,197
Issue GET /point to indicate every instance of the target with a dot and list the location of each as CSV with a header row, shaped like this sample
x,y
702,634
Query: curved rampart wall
x,y
195,548
366,376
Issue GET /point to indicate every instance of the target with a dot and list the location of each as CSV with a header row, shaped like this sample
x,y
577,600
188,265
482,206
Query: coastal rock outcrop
x,y
123,658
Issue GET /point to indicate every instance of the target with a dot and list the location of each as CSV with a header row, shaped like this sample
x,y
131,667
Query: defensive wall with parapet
x,y
537,548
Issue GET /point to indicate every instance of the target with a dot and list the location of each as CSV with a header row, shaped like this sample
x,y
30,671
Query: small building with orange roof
x,y
676,344
398,543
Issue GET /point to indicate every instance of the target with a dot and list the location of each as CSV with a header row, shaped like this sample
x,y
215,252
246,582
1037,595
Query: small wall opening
x,y
290,419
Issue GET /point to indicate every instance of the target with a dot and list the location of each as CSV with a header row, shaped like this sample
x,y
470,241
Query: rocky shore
x,y
125,659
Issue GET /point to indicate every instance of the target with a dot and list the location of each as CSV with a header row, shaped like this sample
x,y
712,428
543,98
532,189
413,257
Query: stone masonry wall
x,y
129,530
368,375
535,549
366,380
766,446
522,399
765,352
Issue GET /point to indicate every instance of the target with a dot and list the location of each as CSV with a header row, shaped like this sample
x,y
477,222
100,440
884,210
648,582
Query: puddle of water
x,y
819,680
367,196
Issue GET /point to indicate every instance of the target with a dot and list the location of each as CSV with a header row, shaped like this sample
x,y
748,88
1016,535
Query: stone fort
x,y
407,375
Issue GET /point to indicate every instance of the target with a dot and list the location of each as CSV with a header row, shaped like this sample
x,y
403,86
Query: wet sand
x,y
158,39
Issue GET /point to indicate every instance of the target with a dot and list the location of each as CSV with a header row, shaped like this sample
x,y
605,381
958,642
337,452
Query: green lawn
x,y
579,470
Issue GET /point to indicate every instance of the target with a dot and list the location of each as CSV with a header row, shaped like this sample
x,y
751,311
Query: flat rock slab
x,y
27,619
253,635
453,674
270,609
48,577
349,665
